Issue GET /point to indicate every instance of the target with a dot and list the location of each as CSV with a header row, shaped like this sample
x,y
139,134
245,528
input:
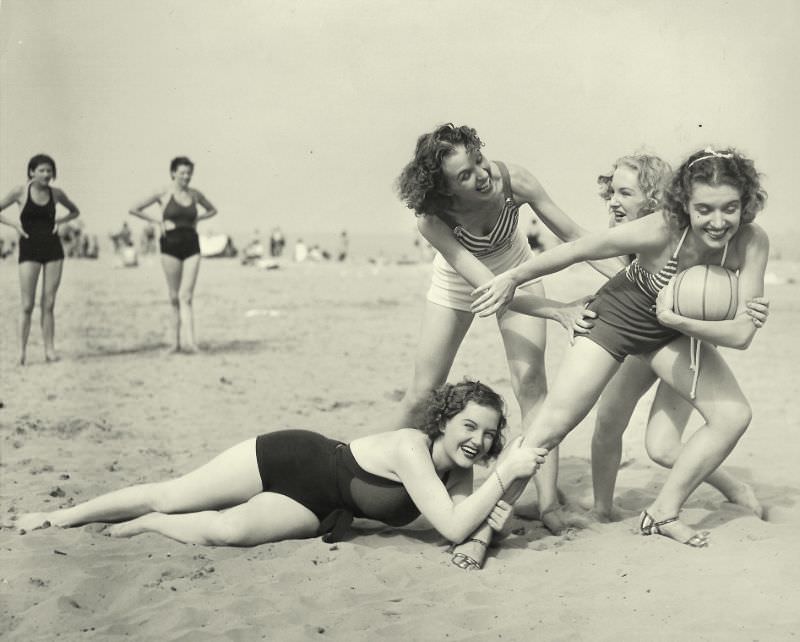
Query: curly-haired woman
x,y
297,484
467,207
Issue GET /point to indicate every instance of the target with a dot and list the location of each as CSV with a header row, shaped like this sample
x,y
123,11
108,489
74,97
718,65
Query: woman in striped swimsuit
x,y
467,208
712,201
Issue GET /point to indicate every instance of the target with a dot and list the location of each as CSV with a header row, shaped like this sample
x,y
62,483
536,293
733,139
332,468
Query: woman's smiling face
x,y
468,174
715,213
469,435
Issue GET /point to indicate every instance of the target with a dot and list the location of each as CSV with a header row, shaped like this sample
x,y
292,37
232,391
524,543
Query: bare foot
x,y
470,555
674,529
51,357
173,350
32,522
22,358
191,349
130,528
746,497
558,520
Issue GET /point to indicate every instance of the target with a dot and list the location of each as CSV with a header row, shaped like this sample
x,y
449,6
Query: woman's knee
x,y
185,298
609,425
27,307
529,384
163,497
662,454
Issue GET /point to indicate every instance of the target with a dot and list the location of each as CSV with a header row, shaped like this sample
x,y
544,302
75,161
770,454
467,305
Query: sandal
x,y
649,526
466,562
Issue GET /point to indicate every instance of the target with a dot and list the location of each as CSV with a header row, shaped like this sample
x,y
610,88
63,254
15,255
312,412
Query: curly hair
x,y
179,161
432,413
40,159
421,184
653,175
726,167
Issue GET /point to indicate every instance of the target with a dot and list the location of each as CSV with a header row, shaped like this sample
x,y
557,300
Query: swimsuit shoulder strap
x,y
680,243
724,255
506,179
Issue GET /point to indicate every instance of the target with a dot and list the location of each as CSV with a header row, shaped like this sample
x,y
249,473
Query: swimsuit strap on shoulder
x,y
680,243
506,180
724,255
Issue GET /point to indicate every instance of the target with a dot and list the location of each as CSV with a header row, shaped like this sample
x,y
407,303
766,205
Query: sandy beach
x,y
329,347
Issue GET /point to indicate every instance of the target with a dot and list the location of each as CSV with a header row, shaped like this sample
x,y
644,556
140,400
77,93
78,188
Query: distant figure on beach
x,y
533,232
277,241
300,251
40,248
710,207
298,484
344,246
467,208
147,244
180,245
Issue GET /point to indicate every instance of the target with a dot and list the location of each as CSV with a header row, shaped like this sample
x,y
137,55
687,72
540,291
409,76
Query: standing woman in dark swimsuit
x,y
180,246
39,247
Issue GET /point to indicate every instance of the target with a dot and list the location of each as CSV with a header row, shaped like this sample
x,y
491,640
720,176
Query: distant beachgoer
x,y
344,246
300,251
711,204
276,242
467,207
180,245
40,248
148,240
300,484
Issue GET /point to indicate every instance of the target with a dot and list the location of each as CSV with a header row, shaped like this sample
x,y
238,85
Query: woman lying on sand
x,y
298,484
712,202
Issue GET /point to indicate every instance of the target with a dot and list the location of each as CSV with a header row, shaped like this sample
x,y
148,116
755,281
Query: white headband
x,y
710,153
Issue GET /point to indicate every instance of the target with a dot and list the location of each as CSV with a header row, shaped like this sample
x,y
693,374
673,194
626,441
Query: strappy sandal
x,y
649,526
467,563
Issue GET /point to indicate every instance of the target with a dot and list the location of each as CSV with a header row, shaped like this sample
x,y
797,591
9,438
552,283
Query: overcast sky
x,y
302,113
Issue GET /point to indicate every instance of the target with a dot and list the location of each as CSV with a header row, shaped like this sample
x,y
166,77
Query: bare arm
x,y
530,190
72,209
210,210
14,196
474,272
737,332
137,209
456,520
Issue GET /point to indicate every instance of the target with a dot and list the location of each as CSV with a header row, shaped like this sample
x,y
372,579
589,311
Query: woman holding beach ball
x,y
711,204
635,188
180,245
467,208
40,250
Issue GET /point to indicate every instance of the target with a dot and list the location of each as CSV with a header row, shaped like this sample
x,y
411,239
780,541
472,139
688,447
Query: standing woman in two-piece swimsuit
x,y
180,245
39,247
467,208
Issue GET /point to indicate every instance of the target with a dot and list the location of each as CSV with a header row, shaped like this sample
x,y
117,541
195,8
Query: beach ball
x,y
706,292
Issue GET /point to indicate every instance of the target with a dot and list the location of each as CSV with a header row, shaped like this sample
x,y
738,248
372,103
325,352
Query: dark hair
x,y
178,161
432,413
726,167
652,175
41,159
421,184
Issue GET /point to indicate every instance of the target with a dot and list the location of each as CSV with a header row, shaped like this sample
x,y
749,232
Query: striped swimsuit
x,y
503,248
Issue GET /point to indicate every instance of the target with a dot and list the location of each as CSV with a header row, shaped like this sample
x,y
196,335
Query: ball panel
x,y
706,292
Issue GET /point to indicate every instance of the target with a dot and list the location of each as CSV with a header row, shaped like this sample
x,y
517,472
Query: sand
x,y
329,347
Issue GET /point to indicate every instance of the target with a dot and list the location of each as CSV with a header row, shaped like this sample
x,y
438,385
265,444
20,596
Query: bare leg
x,y
266,517
443,330
173,270
51,279
668,418
191,268
614,412
727,415
231,478
28,278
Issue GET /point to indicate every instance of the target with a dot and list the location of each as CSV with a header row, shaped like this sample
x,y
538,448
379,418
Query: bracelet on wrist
x,y
500,481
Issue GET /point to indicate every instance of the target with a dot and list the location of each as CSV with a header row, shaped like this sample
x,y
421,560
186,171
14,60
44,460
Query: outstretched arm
x,y
639,236
441,237
456,520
